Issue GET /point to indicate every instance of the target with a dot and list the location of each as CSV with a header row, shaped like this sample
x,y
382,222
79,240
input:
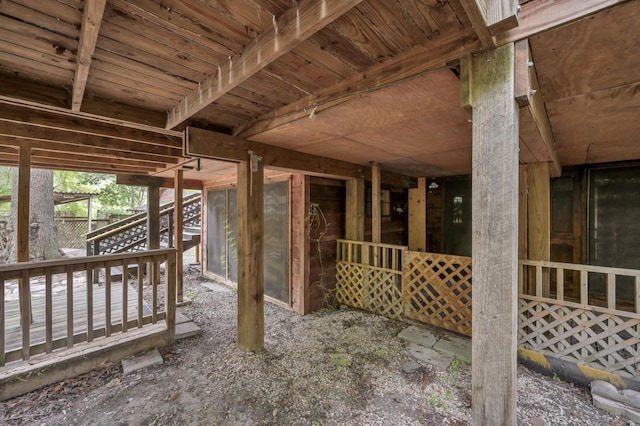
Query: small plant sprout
x,y
340,362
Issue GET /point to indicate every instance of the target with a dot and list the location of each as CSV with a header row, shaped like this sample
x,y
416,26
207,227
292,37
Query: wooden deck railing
x,y
594,326
58,305
572,312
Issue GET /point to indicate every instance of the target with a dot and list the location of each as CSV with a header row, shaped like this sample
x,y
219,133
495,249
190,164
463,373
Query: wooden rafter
x,y
432,55
293,27
532,109
218,146
542,15
91,20
162,182
488,17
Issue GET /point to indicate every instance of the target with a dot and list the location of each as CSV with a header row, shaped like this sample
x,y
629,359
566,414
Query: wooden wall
x,y
329,196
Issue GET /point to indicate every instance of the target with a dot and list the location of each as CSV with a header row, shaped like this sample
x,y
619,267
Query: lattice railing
x,y
369,276
437,290
582,334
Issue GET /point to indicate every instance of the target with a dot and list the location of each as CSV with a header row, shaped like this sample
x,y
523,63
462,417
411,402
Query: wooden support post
x,y
153,231
539,217
354,227
22,242
250,255
376,226
177,227
418,216
495,237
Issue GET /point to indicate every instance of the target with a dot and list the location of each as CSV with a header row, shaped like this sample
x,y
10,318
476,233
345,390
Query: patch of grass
x,y
191,294
380,352
341,362
556,377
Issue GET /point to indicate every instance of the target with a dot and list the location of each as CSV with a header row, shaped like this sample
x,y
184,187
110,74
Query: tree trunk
x,y
43,237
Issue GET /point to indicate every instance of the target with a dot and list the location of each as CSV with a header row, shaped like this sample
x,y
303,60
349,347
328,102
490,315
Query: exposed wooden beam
x,y
162,182
476,13
218,146
289,30
19,111
542,15
535,129
27,131
489,17
44,162
91,20
24,90
495,237
432,55
64,147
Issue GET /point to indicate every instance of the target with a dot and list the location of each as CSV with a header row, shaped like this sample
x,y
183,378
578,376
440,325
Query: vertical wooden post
x,y
153,231
523,230
354,227
250,255
539,217
24,188
495,237
376,226
170,299
418,216
177,227
22,241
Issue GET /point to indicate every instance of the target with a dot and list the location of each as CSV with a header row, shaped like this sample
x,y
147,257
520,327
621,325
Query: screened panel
x,y
232,234
457,217
216,218
614,224
276,240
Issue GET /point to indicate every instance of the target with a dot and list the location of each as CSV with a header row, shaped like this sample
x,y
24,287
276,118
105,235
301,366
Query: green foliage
x,y
112,198
340,361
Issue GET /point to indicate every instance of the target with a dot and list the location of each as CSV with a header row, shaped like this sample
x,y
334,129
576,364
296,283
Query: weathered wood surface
x,y
495,236
250,254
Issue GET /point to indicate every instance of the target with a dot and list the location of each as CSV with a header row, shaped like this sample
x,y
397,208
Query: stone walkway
x,y
436,348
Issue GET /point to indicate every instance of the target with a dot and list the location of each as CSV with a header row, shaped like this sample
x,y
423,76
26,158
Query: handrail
x,y
39,323
137,218
130,234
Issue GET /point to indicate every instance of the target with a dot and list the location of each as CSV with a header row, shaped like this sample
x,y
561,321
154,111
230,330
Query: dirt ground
x,y
333,367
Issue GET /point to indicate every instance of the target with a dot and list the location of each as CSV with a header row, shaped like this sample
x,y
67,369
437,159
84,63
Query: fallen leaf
x,y
174,396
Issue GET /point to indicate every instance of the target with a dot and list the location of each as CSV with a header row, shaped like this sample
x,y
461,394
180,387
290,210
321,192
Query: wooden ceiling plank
x,y
542,15
91,21
48,63
56,10
188,29
431,55
294,26
528,96
218,146
489,17
43,20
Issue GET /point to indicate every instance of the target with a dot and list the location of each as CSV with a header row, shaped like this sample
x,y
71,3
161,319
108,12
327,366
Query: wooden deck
x,y
13,330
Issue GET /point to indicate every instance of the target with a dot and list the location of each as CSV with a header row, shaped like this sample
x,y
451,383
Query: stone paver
x,y
216,287
430,356
418,336
187,329
457,346
148,359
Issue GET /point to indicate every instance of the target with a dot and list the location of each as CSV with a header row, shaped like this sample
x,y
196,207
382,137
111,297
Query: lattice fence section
x,y
350,284
369,277
383,293
590,336
437,290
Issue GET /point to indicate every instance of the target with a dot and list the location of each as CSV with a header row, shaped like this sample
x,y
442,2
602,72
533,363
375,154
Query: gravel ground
x,y
334,367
